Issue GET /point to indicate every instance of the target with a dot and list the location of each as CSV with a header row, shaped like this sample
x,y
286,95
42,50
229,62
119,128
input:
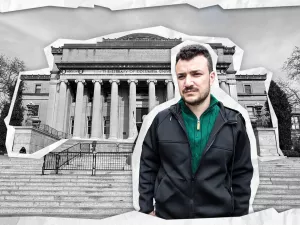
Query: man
x,y
195,159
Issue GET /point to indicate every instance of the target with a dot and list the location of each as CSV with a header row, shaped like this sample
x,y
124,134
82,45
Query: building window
x,y
250,111
140,113
38,88
247,88
34,110
106,124
295,122
89,125
72,125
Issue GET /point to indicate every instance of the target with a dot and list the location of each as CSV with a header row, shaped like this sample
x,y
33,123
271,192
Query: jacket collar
x,y
186,109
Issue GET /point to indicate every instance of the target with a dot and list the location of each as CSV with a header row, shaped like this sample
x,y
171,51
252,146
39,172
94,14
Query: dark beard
x,y
199,100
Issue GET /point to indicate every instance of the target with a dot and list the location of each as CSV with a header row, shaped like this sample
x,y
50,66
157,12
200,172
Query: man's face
x,y
194,79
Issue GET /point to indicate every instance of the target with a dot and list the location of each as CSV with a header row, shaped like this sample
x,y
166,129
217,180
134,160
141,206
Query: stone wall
x,y
32,139
266,141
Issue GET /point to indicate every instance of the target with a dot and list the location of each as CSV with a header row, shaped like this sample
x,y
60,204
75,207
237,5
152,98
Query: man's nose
x,y
188,81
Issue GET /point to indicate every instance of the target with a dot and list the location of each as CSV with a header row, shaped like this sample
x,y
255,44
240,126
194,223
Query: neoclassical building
x,y
103,90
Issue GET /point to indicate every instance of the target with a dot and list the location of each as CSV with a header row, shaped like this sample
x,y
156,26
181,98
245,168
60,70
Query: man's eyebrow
x,y
196,71
192,72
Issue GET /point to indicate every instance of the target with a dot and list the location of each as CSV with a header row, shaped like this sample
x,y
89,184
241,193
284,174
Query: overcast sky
x,y
267,35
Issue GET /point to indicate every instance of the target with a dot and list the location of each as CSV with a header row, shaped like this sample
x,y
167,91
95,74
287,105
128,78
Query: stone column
x,y
152,97
132,108
170,92
114,104
78,108
51,110
67,110
224,87
232,86
60,114
97,107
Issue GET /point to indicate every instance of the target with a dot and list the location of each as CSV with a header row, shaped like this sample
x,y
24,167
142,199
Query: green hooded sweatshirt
x,y
198,131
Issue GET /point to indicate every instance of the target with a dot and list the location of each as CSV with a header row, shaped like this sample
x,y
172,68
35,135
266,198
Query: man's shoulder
x,y
165,113
233,114
231,111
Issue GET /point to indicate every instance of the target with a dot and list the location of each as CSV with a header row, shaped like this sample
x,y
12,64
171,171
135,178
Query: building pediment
x,y
139,40
142,37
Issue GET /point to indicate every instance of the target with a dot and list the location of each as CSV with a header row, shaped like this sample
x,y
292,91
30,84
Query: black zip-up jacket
x,y
221,185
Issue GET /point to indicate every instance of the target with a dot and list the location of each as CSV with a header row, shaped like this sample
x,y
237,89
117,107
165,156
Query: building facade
x,y
103,90
296,124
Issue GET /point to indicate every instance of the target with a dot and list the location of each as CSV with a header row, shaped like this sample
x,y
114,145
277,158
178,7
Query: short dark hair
x,y
190,51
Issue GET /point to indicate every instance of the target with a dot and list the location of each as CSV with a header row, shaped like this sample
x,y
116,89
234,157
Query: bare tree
x,y
292,90
292,65
9,71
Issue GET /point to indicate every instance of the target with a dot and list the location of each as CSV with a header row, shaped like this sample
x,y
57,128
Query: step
x,y
115,198
61,178
279,191
75,172
83,212
278,169
21,170
25,161
74,204
274,202
268,167
66,180
280,174
277,196
68,185
278,208
67,175
265,182
50,181
278,186
82,189
280,180
68,193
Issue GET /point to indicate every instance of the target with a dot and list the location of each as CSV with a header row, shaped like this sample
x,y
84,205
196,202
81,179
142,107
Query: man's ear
x,y
212,76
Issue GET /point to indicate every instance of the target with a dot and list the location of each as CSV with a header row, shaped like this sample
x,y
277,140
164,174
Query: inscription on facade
x,y
118,72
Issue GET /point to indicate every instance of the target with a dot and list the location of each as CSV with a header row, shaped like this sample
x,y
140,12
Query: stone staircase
x,y
279,185
25,192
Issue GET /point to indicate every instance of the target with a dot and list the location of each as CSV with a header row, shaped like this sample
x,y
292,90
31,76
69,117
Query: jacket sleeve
x,y
149,166
242,170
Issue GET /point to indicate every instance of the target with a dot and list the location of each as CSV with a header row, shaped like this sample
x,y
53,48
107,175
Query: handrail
x,y
46,128
48,164
110,155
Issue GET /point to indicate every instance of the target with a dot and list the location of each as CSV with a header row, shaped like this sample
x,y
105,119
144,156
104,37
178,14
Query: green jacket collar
x,y
186,109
